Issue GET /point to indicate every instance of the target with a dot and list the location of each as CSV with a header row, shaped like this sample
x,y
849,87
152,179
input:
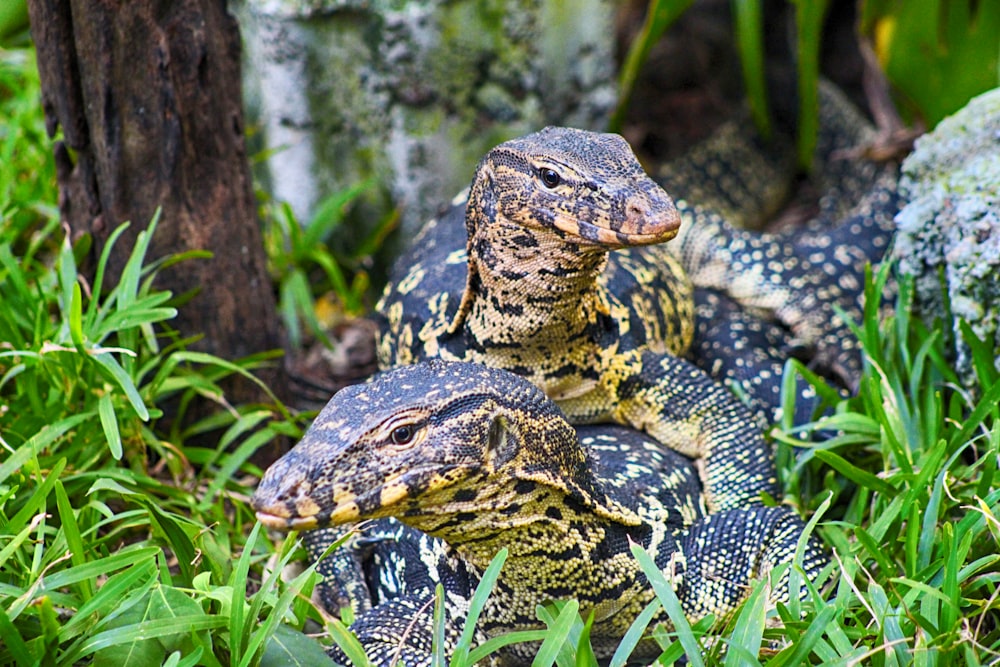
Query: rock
x,y
949,233
415,92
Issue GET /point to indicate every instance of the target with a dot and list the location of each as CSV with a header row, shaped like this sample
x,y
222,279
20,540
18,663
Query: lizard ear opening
x,y
502,442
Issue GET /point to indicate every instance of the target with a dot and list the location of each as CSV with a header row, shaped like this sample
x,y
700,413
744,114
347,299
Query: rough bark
x,y
148,95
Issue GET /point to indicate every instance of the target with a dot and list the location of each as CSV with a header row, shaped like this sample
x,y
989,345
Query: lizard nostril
x,y
635,214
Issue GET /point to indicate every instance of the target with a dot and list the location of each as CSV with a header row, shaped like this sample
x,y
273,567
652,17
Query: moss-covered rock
x,y
415,92
949,233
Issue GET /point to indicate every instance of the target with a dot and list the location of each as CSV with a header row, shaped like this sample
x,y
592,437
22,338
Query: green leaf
x,y
71,530
855,474
348,643
803,644
76,317
239,632
874,550
280,606
45,437
437,645
14,641
288,647
109,421
495,644
809,16
114,369
634,634
134,582
102,263
136,638
126,557
940,54
329,214
177,538
37,501
987,404
748,629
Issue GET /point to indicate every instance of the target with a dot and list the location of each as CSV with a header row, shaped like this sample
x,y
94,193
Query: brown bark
x,y
148,94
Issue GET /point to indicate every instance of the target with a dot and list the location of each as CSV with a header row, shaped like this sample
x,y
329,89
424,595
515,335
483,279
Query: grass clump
x,y
116,543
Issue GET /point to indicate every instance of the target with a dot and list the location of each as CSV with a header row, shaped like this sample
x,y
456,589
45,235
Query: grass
x,y
117,534
126,540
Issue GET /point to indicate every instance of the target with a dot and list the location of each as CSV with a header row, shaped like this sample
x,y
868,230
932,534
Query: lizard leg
x,y
723,555
677,403
396,632
344,584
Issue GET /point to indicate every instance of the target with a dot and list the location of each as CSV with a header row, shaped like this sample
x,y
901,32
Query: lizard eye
x,y
550,178
401,435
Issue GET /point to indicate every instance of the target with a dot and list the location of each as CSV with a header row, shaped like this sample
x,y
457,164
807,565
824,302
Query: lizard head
x,y
585,187
428,444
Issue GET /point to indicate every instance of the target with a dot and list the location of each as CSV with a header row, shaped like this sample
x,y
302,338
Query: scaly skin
x,y
543,299
478,459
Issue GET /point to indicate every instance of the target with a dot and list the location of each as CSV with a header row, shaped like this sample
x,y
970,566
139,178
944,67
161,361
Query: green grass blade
x,y
494,644
44,438
99,568
490,575
660,15
37,501
348,643
114,369
136,580
634,635
809,28
437,649
987,404
853,473
71,529
15,642
671,604
585,656
109,421
749,19
160,627
239,632
266,629
557,635
93,307
800,649
76,317
748,629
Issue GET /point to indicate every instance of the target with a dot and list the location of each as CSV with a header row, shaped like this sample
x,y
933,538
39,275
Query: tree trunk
x,y
148,95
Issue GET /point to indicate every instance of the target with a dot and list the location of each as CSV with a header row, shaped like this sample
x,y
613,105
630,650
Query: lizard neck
x,y
531,285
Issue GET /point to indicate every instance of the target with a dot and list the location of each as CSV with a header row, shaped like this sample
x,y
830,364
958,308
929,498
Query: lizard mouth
x,y
279,518
639,228
286,523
